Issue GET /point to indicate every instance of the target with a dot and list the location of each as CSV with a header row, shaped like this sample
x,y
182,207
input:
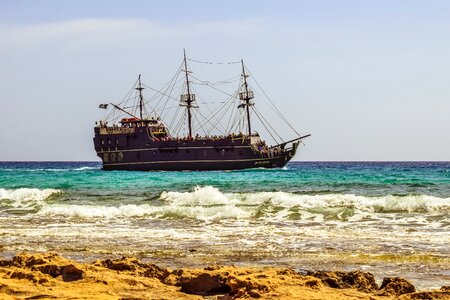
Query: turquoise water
x,y
363,178
387,218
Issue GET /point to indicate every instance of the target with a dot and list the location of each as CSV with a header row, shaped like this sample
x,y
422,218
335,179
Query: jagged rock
x,y
313,283
50,269
247,287
433,295
123,264
153,271
128,278
286,272
396,286
71,273
362,281
135,266
49,263
441,294
205,284
23,274
5,263
254,294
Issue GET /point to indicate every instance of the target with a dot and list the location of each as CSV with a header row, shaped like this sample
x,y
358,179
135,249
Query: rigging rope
x,y
273,105
208,83
214,63
259,115
212,86
212,121
168,96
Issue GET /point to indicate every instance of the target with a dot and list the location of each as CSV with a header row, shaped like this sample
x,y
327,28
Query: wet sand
x,y
51,276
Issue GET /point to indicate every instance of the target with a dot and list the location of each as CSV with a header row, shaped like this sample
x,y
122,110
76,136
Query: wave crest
x,y
208,195
27,194
25,198
209,203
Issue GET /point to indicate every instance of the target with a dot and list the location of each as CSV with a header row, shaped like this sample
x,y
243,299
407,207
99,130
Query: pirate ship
x,y
150,134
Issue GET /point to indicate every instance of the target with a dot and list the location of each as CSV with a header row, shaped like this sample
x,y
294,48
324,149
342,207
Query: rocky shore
x,y
50,276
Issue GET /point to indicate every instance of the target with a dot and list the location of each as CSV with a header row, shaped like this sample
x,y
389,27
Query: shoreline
x,y
49,275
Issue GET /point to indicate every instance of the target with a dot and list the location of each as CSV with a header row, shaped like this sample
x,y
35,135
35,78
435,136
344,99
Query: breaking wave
x,y
25,198
26,194
208,195
209,203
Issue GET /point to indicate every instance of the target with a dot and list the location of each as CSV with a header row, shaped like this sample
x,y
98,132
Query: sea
x,y
387,218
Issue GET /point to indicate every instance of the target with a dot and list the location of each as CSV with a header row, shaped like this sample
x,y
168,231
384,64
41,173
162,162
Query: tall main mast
x,y
188,98
141,98
246,96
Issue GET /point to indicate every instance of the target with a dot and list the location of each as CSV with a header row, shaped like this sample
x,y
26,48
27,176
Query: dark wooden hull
x,y
199,165
137,152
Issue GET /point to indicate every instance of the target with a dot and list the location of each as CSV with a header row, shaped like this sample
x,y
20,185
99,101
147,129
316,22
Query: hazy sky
x,y
368,79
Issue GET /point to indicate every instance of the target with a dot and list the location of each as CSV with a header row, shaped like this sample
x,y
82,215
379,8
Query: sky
x,y
367,79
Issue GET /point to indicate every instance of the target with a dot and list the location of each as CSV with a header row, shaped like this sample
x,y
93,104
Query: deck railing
x,y
116,130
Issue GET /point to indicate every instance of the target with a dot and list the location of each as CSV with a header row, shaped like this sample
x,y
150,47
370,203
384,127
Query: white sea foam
x,y
209,203
206,203
92,211
86,168
145,210
26,197
207,196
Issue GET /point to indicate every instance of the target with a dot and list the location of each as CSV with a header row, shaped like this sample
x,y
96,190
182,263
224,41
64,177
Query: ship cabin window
x,y
117,141
105,157
109,142
120,156
102,141
222,152
113,157
205,153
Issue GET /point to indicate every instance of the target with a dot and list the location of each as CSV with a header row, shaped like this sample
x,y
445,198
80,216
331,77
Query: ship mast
x,y
246,96
141,98
188,98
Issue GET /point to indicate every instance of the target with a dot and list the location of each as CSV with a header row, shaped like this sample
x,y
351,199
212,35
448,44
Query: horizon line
x,y
296,161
